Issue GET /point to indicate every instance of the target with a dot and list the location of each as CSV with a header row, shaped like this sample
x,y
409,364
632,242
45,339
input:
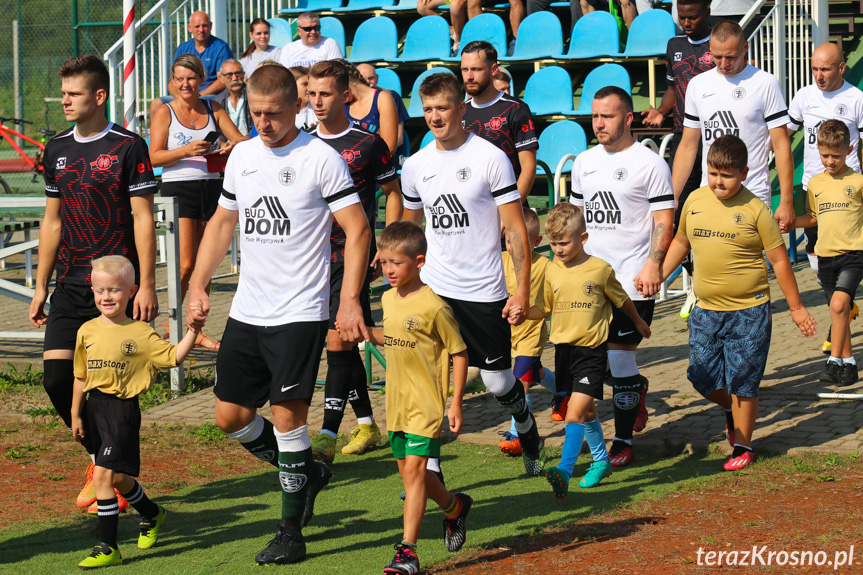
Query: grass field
x,y
219,527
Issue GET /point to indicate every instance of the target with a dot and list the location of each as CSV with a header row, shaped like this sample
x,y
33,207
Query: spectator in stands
x,y
494,116
461,11
178,144
371,75
575,9
306,116
503,81
259,48
210,50
371,108
311,47
234,100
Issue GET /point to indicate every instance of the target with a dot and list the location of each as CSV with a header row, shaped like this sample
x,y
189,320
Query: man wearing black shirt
x,y
495,116
370,163
99,186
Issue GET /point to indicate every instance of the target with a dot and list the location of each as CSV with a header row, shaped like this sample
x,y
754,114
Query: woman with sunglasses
x,y
259,49
311,47
180,134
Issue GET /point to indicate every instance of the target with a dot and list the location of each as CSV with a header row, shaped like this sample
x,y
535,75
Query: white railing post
x,y
112,81
175,303
165,49
779,27
219,18
130,85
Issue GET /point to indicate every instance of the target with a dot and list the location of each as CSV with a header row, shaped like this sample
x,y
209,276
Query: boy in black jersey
x,y
370,162
100,187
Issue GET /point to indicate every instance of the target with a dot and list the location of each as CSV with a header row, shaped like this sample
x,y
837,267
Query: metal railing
x,y
163,30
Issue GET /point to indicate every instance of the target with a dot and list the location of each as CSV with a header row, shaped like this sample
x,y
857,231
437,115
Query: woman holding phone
x,y
181,132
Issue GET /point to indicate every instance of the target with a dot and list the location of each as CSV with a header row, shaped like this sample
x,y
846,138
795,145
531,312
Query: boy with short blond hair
x,y
116,359
529,338
420,336
580,291
728,228
835,205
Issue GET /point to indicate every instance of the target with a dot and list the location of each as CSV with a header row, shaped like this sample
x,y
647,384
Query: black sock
x,y
58,379
109,520
729,420
139,500
265,447
359,394
294,480
515,403
740,450
336,389
625,397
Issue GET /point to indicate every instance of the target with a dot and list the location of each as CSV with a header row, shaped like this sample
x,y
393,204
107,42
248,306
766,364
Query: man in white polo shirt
x,y
311,48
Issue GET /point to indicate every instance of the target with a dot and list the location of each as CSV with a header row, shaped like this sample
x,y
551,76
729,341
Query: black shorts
x,y
72,306
258,364
811,235
337,275
485,332
196,199
580,369
622,330
841,273
694,180
114,427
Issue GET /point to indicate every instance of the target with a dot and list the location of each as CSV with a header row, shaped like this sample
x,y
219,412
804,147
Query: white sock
x,y
835,359
293,441
498,382
626,441
249,433
93,457
850,360
433,464
365,420
813,262
622,363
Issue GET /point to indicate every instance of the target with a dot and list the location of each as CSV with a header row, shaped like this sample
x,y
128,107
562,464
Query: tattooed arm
x,y
512,219
649,279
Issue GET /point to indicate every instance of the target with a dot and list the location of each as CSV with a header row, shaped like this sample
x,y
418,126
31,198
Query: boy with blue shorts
x,y
580,292
529,338
835,204
420,336
727,228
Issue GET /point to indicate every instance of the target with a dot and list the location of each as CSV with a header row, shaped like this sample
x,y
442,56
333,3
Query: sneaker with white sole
x,y
620,454
742,461
598,471
455,530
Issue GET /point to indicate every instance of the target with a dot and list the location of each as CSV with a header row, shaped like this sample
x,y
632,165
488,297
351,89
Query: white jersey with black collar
x,y
285,198
461,190
619,193
748,105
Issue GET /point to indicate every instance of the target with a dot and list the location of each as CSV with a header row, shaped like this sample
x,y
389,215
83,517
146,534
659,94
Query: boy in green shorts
x,y
728,228
529,338
419,336
579,291
116,359
835,205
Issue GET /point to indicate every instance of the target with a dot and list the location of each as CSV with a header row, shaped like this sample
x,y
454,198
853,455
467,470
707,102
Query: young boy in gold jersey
x,y
728,228
116,359
420,336
835,205
578,292
529,338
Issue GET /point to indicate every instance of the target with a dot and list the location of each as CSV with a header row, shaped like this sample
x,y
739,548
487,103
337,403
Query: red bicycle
x,y
25,163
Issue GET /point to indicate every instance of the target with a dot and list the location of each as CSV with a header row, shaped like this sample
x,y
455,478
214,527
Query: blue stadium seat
x,y
280,32
389,80
488,27
415,109
333,28
401,6
358,5
600,77
557,140
539,36
375,39
311,6
649,34
427,139
549,91
595,35
427,39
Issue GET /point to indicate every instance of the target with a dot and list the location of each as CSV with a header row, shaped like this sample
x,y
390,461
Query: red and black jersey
x,y
506,123
370,162
685,60
95,179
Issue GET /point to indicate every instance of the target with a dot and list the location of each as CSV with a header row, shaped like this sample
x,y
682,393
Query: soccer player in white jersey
x,y
829,98
283,188
739,99
468,188
625,191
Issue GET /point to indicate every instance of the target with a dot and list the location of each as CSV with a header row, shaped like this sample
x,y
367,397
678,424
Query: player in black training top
x,y
495,116
370,163
96,175
687,56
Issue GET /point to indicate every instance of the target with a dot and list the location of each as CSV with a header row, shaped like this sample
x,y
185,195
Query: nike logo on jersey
x,y
707,95
427,178
411,444
287,387
491,361
694,212
588,173
623,333
555,290
249,172
810,106
818,194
